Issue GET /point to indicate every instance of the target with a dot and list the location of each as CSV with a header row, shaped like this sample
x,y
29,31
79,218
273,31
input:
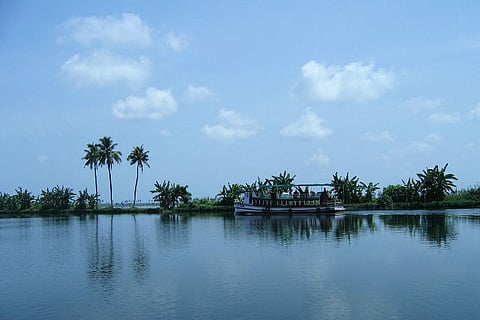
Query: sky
x,y
224,92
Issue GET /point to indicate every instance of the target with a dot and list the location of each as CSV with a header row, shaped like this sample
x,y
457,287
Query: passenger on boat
x,y
324,197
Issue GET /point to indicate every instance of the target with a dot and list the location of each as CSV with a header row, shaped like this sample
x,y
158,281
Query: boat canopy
x,y
292,185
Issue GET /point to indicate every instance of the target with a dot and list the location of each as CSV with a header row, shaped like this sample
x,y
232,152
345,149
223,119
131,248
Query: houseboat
x,y
291,199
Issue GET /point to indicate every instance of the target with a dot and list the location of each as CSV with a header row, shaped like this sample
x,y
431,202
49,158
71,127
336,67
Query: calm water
x,y
363,266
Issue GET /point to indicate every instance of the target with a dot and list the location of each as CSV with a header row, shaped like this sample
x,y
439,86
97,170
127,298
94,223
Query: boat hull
x,y
252,210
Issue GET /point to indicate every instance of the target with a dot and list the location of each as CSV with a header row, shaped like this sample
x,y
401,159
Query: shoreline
x,y
228,210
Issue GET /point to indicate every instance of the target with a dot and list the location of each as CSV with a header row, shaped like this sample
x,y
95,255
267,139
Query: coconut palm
x,y
108,156
92,159
139,157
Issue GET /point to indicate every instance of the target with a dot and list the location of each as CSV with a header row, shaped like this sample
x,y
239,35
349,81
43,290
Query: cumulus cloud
x,y
475,113
352,82
165,133
383,136
426,145
319,158
123,29
444,118
194,94
155,105
104,68
417,104
231,125
471,146
421,147
42,158
176,41
310,125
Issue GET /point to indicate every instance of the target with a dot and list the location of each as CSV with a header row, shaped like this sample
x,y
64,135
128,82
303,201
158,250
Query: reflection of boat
x,y
298,199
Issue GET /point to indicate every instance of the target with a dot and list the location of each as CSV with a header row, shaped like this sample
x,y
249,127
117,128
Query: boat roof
x,y
300,185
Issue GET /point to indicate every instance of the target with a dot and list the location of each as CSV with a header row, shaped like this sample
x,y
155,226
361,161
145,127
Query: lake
x,y
364,265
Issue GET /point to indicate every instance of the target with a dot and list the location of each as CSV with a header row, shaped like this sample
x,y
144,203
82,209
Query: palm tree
x,y
346,189
23,199
230,193
283,182
139,157
92,159
369,189
163,194
108,156
435,183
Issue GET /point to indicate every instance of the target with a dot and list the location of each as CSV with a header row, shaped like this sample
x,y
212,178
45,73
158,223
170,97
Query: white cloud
x,y
155,105
475,113
426,145
444,118
165,133
231,125
471,146
42,158
197,94
123,29
417,104
319,158
352,82
176,41
422,147
308,126
383,136
105,68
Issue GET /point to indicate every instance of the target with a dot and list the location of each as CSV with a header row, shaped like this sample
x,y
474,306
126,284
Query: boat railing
x,y
293,200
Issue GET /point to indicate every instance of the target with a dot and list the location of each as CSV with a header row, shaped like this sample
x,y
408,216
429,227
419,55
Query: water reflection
x,y
433,229
140,256
57,226
165,267
101,258
172,232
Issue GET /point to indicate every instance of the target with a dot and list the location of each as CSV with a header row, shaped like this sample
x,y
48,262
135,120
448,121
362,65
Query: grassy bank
x,y
210,208
433,205
183,210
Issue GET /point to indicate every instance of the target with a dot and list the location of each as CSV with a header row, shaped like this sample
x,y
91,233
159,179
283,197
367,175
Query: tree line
x,y
103,153
430,185
97,155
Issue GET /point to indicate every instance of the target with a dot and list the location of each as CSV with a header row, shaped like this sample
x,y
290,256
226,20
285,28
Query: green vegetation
x,y
108,156
170,195
430,190
139,157
92,159
433,188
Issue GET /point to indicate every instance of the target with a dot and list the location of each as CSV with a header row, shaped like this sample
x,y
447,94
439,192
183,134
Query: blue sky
x,y
228,91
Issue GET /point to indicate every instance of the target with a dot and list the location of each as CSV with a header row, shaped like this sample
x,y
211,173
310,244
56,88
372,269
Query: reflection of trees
x,y
410,222
101,259
437,229
172,231
59,225
352,225
286,229
140,261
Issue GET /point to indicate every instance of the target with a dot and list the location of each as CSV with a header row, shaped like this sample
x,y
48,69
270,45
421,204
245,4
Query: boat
x,y
291,199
